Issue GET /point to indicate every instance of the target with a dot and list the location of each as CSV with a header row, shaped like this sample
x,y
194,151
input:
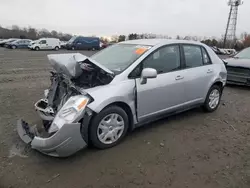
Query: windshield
x,y
118,57
72,39
244,54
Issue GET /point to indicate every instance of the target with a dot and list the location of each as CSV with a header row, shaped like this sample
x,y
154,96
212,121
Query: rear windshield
x,y
244,54
120,56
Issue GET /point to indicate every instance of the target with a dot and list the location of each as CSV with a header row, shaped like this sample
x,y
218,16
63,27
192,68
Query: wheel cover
x,y
110,128
214,98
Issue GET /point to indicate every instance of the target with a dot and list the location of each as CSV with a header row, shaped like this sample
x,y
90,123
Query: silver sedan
x,y
97,100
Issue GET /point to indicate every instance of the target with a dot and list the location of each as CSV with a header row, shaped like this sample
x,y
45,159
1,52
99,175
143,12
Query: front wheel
x,y
37,48
109,127
213,98
13,47
56,48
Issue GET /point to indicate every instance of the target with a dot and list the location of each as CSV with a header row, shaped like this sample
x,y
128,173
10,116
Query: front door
x,y
164,93
43,45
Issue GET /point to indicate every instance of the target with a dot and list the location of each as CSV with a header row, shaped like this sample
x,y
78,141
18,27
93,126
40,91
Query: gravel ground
x,y
193,149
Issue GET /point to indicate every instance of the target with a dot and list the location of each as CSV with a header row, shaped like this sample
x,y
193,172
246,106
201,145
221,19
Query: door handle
x,y
179,77
209,70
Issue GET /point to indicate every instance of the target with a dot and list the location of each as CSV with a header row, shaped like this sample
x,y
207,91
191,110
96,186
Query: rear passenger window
x,y
193,56
206,59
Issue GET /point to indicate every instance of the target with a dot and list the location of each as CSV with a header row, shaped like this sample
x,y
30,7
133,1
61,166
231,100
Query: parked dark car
x,y
83,43
3,42
238,68
21,43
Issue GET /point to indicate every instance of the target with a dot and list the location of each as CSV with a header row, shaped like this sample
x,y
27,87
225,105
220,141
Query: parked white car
x,y
45,44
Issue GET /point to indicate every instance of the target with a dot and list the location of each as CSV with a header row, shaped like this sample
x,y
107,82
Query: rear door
x,y
22,43
50,44
26,43
198,73
166,92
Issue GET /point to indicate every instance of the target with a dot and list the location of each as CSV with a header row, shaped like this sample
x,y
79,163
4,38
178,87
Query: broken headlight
x,y
71,112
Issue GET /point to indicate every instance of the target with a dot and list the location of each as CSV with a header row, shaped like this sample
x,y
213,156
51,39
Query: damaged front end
x,y
64,105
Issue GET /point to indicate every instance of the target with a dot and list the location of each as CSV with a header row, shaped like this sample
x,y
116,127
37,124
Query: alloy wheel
x,y
214,98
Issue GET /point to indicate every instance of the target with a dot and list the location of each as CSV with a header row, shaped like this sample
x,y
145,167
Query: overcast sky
x,y
107,17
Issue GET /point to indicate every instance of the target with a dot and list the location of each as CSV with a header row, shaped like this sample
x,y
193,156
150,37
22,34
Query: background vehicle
x,y
45,44
63,44
83,43
3,42
120,88
20,43
238,67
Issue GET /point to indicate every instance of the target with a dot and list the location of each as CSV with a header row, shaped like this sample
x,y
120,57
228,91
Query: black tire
x,y
37,48
97,119
14,47
206,105
72,48
56,48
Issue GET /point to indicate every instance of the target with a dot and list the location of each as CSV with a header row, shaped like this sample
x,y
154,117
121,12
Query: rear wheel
x,y
109,127
213,98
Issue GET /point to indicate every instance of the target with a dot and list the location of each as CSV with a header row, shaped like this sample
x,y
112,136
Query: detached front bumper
x,y
65,142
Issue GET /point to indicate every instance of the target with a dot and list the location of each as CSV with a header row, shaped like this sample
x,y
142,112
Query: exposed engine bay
x,y
72,77
73,73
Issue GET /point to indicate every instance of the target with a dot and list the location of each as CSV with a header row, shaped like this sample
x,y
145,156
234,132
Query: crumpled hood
x,y
72,64
238,62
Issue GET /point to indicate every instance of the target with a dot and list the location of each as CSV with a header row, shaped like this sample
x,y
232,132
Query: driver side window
x,y
165,59
43,42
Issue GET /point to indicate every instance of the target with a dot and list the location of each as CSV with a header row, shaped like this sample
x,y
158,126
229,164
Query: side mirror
x,y
148,73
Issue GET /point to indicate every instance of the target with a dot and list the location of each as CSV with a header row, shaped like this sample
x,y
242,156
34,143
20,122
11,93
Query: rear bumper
x,y
238,79
65,142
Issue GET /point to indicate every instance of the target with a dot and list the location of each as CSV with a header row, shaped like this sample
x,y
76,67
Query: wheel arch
x,y
127,109
87,119
218,83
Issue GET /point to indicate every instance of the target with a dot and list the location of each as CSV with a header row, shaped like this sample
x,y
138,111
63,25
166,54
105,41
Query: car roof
x,y
154,42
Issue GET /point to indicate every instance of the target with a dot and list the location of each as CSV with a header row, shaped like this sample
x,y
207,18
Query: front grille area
x,y
238,71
